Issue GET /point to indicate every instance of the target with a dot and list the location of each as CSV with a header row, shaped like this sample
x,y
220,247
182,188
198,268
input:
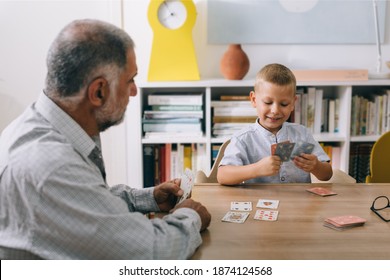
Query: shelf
x,y
212,90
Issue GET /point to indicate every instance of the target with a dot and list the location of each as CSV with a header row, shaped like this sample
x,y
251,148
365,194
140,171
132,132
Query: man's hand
x,y
166,194
199,208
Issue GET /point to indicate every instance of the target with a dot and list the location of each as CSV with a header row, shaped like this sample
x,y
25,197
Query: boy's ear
x,y
98,91
252,97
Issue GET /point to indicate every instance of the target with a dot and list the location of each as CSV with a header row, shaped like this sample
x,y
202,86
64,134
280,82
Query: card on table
x,y
241,206
283,150
235,217
268,203
187,182
266,215
344,222
321,191
302,148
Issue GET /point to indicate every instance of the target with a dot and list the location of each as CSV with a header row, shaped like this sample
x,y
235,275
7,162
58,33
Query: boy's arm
x,y
323,170
234,175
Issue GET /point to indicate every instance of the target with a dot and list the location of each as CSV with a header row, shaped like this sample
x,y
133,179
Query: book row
x,y
359,161
370,115
163,162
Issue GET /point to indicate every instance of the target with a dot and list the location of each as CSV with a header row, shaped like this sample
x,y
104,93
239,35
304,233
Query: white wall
x,y
294,56
28,27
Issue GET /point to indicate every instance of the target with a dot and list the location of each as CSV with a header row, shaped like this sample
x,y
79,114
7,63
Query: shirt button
x,y
282,178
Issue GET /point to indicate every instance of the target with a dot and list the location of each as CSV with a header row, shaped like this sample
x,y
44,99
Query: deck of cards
x,y
344,222
286,150
321,191
187,182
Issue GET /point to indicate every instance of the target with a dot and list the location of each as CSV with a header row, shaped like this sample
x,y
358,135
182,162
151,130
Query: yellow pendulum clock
x,y
173,53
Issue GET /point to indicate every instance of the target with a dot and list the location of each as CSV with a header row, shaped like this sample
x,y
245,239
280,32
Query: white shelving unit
x,y
212,89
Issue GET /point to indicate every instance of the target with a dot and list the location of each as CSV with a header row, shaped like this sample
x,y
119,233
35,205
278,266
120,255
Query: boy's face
x,y
274,104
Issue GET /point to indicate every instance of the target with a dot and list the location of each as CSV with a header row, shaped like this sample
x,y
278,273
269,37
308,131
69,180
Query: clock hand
x,y
169,10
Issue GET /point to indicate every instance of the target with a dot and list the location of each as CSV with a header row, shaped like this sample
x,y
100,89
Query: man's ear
x,y
97,91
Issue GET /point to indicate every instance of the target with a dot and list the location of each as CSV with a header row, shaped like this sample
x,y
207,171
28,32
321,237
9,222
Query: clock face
x,y
172,14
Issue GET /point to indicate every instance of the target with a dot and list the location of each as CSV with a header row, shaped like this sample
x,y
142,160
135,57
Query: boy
x,y
248,156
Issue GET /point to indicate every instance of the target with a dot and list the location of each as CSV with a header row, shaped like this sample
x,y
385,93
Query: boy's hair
x,y
277,74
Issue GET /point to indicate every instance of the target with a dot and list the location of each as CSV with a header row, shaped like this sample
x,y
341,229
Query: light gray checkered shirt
x,y
55,204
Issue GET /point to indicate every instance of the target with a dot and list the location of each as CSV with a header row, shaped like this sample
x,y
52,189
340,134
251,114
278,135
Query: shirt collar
x,y
281,134
67,126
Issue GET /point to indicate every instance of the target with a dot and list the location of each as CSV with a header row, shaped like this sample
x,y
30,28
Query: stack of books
x,y
173,115
231,114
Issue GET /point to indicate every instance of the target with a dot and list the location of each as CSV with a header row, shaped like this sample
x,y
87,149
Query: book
x,y
234,97
234,111
176,107
318,113
172,127
331,75
336,115
148,165
149,114
311,100
224,119
239,103
177,136
175,99
297,108
331,122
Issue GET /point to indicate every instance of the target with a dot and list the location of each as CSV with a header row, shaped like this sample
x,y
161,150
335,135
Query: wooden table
x,y
298,234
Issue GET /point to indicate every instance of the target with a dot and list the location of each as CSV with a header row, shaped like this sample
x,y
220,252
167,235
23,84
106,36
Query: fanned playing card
x,y
268,203
283,150
302,148
235,217
266,215
187,182
321,191
241,206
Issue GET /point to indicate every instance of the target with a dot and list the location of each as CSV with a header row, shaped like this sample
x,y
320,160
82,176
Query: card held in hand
x,y
187,182
302,148
235,217
283,150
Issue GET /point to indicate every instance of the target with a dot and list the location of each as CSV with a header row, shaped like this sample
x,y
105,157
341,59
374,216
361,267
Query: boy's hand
x,y
306,162
269,166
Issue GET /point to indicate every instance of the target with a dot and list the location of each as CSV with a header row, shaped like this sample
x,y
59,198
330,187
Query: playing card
x,y
241,206
273,148
321,191
283,150
187,182
235,217
266,215
302,148
268,203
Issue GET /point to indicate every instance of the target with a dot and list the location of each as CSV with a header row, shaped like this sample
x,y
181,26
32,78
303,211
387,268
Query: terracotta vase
x,y
234,63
